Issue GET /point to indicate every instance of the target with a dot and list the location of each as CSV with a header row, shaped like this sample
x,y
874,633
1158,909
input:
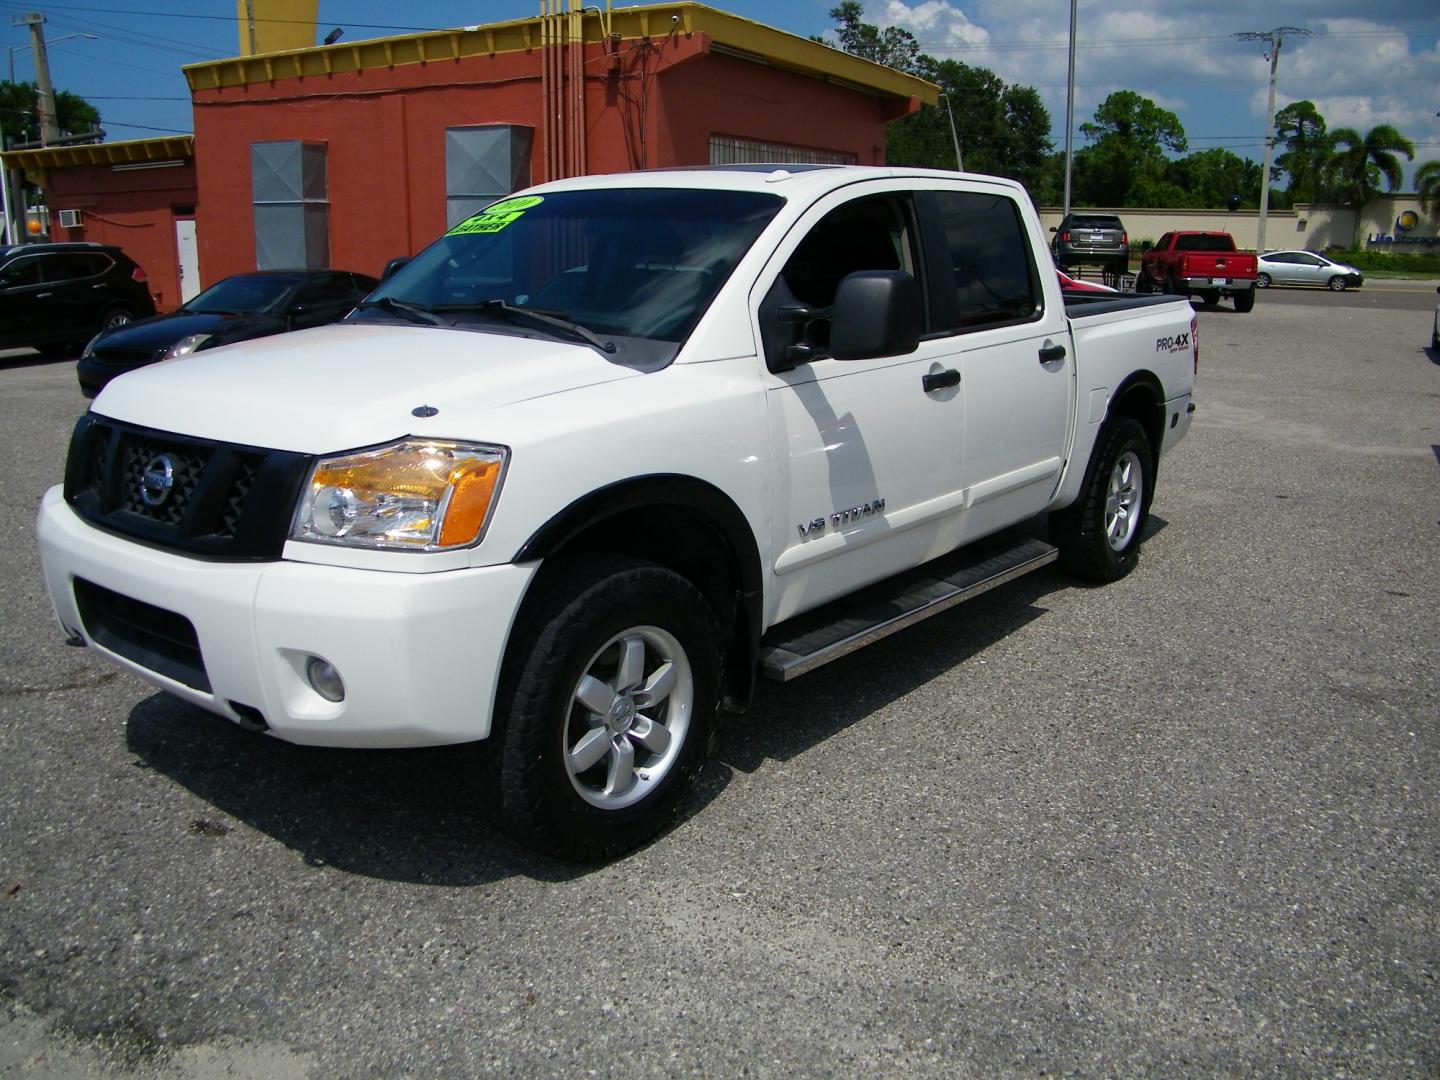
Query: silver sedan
x,y
1306,268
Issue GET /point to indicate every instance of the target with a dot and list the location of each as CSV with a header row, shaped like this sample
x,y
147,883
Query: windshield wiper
x,y
413,312
508,310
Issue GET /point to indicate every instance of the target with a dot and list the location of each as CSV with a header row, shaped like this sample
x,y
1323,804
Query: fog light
x,y
324,679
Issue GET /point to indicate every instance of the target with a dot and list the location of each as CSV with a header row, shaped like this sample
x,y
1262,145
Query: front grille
x,y
215,499
152,637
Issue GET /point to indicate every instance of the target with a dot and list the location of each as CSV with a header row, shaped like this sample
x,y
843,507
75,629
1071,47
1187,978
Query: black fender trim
x,y
711,506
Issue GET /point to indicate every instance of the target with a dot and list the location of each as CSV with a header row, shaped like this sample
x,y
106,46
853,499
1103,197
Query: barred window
x,y
733,150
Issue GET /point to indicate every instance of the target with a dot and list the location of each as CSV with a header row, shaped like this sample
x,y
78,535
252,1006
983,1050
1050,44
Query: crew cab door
x,y
1007,328
867,452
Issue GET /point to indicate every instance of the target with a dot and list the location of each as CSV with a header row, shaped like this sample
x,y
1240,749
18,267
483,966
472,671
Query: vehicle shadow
x,y
425,816
417,816
14,360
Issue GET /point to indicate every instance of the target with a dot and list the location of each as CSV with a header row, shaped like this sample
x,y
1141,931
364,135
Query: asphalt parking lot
x,y
1183,825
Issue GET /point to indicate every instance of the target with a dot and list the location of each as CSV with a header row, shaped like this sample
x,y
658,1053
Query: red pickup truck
x,y
1203,264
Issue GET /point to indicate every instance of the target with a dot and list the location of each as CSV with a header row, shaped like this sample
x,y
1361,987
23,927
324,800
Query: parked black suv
x,y
56,297
1092,240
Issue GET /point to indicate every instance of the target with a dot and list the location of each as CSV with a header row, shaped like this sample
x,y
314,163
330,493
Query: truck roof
x,y
779,179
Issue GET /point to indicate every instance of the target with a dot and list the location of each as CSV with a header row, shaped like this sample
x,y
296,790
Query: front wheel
x,y
616,689
1262,281
1337,283
1099,535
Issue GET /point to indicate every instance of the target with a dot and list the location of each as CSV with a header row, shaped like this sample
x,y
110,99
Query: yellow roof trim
x,y
35,162
733,34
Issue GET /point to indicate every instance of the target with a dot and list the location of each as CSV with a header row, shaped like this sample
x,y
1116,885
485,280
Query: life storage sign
x,y
497,216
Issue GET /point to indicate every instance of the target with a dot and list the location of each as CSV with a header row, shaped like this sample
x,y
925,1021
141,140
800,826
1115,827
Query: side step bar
x,y
807,641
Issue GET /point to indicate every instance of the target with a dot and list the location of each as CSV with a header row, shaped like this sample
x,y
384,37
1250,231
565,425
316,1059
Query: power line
x,y
230,18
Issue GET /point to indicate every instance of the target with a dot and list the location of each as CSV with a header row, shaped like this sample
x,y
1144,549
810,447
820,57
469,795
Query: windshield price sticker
x,y
497,216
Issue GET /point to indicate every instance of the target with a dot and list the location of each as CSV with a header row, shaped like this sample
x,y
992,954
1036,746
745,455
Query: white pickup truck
x,y
587,466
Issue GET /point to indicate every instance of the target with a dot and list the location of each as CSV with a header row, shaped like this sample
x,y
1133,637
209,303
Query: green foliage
x,y
892,46
1361,161
1427,185
1002,130
20,112
1300,128
1126,163
1418,263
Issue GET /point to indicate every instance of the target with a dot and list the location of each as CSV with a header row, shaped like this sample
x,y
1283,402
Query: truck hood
x,y
345,386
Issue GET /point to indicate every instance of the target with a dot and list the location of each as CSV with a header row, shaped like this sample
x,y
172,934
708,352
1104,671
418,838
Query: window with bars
x,y
734,150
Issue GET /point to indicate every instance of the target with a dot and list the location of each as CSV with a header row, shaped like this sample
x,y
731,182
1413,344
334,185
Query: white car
x,y
1306,268
1435,328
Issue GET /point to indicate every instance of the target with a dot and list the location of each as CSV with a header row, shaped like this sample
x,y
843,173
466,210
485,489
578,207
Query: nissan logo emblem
x,y
157,480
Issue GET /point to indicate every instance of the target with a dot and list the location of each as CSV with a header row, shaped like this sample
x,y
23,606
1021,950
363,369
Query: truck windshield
x,y
631,263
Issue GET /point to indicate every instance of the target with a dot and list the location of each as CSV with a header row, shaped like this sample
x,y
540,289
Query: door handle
x,y
1052,353
940,380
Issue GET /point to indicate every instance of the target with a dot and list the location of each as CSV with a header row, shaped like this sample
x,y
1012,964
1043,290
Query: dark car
x,y
55,296
234,309
1092,240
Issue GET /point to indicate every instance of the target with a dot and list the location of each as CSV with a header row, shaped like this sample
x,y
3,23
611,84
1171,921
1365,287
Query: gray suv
x,y
1092,240
56,297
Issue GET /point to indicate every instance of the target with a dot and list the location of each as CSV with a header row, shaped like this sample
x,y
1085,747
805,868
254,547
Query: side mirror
x,y
1147,245
1054,228
876,313
392,266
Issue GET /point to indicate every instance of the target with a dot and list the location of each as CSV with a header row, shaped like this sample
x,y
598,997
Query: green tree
x,y
1003,130
1209,178
1308,150
20,112
1126,163
892,46
1362,161
1427,185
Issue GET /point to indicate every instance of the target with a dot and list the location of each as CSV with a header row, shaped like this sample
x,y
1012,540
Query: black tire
x,y
115,315
1142,283
1245,301
1099,536
583,623
1262,281
1173,287
1337,284
1210,296
55,349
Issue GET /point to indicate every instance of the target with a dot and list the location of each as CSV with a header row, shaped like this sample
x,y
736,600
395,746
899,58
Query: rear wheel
x,y
118,315
1245,301
1337,284
616,688
1099,536
1262,281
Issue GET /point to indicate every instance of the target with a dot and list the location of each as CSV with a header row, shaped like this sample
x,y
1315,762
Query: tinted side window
x,y
331,289
993,276
69,267
21,272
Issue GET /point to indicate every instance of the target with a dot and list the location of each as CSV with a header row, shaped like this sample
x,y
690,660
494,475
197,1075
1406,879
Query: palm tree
x,y
1427,184
1359,162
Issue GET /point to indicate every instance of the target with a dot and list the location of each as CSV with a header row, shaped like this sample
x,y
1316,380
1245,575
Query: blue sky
x,y
1366,63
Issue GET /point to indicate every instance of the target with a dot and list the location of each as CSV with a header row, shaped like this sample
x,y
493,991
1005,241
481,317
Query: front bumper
x,y
419,654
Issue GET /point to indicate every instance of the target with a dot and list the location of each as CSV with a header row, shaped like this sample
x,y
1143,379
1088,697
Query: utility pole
x,y
49,128
1276,39
959,166
1070,110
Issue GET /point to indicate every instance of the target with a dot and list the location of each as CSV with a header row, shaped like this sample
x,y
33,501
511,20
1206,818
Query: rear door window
x,y
986,275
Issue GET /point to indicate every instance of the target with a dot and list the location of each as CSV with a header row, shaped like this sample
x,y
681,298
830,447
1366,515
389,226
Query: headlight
x,y
90,346
410,496
185,346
